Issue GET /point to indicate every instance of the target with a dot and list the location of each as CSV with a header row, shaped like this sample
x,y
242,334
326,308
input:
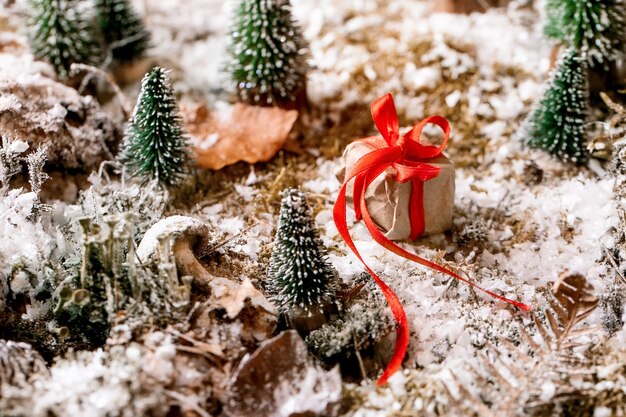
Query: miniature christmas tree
x,y
154,145
268,65
558,123
122,29
594,27
301,280
62,35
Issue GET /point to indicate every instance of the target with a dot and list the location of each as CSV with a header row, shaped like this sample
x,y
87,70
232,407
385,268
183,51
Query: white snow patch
x,y
231,226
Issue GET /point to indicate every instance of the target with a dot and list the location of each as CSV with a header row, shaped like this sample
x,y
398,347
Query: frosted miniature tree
x,y
301,280
155,147
62,35
596,28
558,123
268,60
122,29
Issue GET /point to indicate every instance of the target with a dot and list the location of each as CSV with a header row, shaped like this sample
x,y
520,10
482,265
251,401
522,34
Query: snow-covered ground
x,y
483,72
526,247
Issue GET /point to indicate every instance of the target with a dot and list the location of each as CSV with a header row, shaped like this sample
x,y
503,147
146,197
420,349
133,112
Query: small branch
x,y
75,68
186,402
227,241
617,108
358,357
495,210
609,255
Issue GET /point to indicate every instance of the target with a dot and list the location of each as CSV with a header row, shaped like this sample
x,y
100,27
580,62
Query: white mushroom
x,y
191,241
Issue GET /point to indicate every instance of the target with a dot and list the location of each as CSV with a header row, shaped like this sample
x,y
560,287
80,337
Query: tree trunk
x,y
466,6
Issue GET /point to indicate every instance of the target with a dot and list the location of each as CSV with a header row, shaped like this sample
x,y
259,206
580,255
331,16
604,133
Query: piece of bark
x,y
280,379
238,133
466,6
40,111
388,200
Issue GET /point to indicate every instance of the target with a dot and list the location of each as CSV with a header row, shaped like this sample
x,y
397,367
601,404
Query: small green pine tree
x,y
597,28
155,147
62,35
268,62
123,31
558,123
300,277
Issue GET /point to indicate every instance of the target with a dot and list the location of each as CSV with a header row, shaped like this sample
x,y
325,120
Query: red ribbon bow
x,y
409,158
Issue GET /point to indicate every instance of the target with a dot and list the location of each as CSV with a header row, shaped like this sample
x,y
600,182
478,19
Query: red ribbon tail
x,y
402,331
387,244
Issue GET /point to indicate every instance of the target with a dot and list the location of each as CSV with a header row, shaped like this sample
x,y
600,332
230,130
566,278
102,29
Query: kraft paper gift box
x,y
388,200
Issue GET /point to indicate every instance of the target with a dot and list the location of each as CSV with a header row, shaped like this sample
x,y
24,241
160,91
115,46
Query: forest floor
x,y
521,217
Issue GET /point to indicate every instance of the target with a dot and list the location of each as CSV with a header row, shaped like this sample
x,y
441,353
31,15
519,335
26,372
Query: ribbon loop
x,y
386,119
416,150
410,160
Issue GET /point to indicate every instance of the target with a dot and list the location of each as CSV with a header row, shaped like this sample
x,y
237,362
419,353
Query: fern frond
x,y
513,381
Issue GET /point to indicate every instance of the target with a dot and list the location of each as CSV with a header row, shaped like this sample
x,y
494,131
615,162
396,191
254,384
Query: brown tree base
x,y
300,103
307,320
609,79
466,6
128,73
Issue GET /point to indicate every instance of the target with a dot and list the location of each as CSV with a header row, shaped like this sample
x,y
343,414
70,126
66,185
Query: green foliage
x,y
299,274
268,59
558,123
62,35
123,31
596,28
155,147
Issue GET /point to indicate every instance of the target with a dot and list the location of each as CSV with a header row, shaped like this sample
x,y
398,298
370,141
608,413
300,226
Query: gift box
x,y
388,200
401,188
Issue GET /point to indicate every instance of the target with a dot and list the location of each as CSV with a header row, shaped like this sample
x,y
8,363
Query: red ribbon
x,y
408,157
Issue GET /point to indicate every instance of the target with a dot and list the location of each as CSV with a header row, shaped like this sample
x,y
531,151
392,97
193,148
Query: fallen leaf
x,y
281,380
232,296
238,133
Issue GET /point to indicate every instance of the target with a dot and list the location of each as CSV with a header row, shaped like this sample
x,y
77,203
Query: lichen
x,y
111,285
358,328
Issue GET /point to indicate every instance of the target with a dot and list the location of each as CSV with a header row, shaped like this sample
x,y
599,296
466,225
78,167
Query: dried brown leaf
x,y
239,133
575,295
281,379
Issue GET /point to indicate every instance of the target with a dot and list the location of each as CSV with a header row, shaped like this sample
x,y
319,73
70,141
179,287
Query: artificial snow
x,y
541,230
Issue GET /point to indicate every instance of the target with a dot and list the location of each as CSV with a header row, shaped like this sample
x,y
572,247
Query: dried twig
x,y
76,68
359,358
611,259
186,402
227,241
